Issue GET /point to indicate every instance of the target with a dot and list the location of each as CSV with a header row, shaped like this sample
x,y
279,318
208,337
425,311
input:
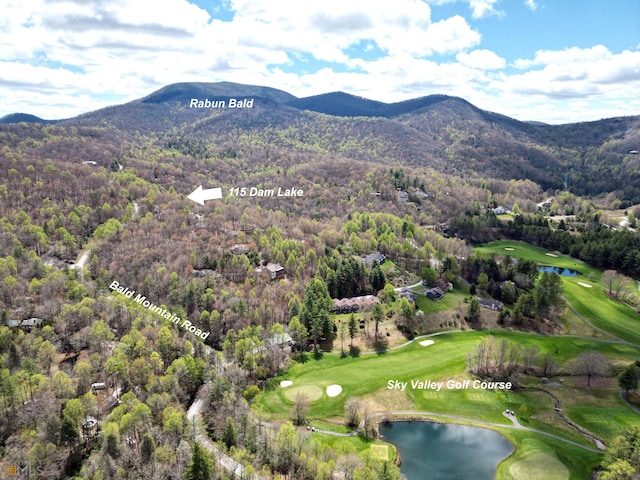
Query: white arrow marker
x,y
199,195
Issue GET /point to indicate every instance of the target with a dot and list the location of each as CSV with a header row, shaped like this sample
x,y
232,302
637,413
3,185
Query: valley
x,y
359,263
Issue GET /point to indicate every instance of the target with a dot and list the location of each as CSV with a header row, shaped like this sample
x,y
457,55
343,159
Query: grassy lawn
x,y
599,410
356,444
329,426
366,377
592,303
603,312
545,458
446,359
449,302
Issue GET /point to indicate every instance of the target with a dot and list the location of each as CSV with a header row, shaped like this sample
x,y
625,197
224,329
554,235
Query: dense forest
x,y
98,386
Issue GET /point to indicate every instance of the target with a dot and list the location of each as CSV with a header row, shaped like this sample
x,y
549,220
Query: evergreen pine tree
x,y
201,467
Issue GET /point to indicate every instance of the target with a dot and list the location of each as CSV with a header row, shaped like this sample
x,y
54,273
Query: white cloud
x,y
584,70
59,58
481,60
531,5
484,8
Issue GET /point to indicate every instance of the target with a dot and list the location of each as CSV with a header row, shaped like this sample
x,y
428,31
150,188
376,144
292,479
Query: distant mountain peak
x,y
185,91
23,117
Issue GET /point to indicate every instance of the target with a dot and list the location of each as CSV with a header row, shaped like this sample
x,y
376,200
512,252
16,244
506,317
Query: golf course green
x,y
377,380
584,292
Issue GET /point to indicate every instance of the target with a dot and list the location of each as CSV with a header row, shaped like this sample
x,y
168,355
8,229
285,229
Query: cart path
x,y
588,322
514,426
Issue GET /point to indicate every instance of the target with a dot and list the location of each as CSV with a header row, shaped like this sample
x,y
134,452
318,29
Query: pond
x,y
563,272
446,452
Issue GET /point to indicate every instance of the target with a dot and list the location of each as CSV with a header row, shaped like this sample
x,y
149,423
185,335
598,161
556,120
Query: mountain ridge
x,y
442,132
336,103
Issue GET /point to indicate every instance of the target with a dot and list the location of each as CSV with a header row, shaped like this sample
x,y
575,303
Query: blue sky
x,y
555,61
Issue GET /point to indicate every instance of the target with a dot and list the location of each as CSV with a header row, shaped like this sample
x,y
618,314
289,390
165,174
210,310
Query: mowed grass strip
x,y
381,452
606,421
605,313
444,360
539,458
537,254
592,303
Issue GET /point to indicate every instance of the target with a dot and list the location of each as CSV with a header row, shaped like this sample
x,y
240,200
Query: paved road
x,y
228,463
409,287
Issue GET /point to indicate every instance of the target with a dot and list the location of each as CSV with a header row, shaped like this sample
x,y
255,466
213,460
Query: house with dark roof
x,y
490,304
435,293
408,294
354,304
373,257
240,249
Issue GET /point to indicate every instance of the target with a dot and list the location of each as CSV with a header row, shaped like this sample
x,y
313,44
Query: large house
x,y
408,294
26,324
435,293
271,271
354,304
490,304
373,257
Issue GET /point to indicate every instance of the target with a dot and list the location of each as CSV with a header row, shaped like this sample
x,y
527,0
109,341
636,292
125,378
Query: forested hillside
x,y
98,386
446,133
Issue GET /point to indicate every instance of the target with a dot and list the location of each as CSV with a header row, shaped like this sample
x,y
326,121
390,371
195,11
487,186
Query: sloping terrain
x,y
445,133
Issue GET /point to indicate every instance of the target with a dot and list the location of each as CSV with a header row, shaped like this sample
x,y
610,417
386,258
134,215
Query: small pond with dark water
x,y
563,272
437,451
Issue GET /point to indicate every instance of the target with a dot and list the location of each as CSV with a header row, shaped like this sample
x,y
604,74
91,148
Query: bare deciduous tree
x,y
351,412
300,409
591,364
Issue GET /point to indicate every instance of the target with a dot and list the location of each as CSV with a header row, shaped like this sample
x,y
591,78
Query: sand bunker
x,y
586,285
551,255
509,248
333,390
426,343
286,383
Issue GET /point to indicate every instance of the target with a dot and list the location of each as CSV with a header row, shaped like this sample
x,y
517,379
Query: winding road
x,y
228,463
